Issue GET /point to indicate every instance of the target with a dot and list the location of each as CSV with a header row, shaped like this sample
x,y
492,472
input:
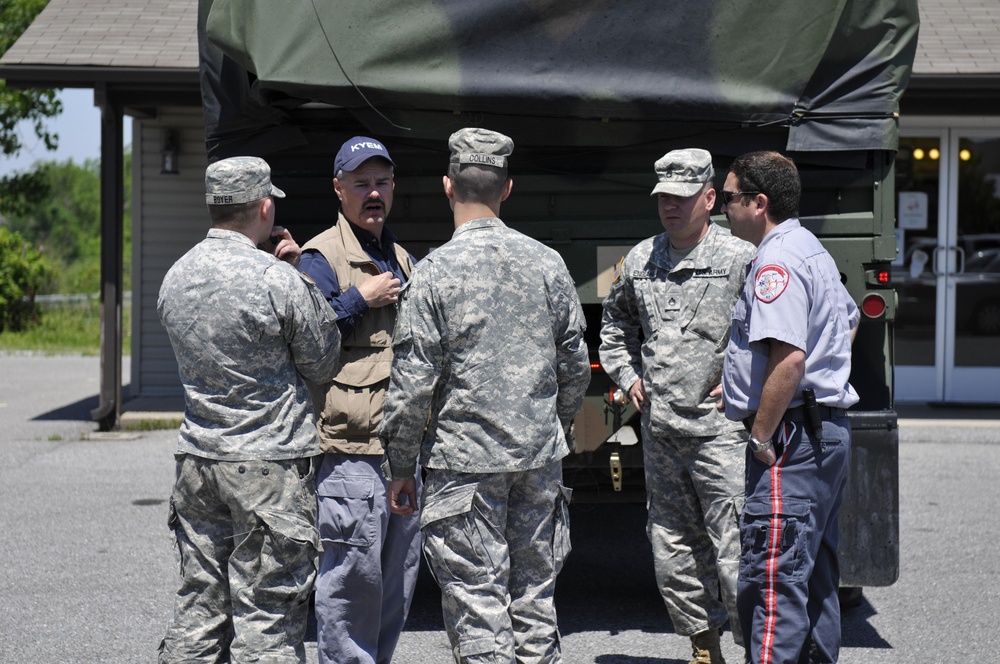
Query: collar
x,y
367,238
478,224
358,239
227,234
782,229
698,259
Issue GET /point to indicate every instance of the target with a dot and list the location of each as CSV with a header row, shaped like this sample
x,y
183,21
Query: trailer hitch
x,y
616,471
623,435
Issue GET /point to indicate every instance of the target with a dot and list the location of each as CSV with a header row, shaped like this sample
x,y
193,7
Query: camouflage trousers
x,y
495,543
247,543
694,494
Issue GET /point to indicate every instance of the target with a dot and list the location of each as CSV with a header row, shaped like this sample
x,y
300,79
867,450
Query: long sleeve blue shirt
x,y
349,305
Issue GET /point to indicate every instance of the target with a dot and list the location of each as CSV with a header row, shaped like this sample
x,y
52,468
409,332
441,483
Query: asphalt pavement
x,y
87,568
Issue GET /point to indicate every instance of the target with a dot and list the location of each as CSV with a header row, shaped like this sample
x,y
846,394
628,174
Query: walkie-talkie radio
x,y
811,409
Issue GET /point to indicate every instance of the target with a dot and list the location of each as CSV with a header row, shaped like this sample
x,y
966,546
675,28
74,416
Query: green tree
x,y
67,222
66,225
23,272
33,105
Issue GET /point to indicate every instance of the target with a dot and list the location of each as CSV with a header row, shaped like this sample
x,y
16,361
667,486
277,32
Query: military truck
x,y
593,92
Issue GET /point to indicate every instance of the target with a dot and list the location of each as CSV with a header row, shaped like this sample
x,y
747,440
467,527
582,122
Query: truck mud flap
x,y
869,516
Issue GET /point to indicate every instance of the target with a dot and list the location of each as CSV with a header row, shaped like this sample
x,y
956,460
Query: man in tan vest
x,y
369,562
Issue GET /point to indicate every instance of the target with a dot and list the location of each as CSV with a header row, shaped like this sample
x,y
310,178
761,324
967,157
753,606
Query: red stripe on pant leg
x,y
773,551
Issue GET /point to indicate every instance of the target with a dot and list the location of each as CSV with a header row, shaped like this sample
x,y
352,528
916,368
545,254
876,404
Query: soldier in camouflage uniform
x,y
663,336
489,369
248,330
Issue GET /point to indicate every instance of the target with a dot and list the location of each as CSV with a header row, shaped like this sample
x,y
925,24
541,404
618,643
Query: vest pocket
x,y
352,409
353,412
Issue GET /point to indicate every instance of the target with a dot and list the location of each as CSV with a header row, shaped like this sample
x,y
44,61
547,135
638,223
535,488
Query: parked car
x,y
977,287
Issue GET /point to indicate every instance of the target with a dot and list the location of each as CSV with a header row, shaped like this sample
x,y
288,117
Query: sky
x,y
79,129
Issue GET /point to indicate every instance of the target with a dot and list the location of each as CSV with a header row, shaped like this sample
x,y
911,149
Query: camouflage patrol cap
x,y
683,172
481,147
239,180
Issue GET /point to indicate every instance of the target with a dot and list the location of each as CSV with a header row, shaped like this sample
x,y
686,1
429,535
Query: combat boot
x,y
707,648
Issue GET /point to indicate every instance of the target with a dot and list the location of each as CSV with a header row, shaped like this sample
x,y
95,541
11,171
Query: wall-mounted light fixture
x,y
168,155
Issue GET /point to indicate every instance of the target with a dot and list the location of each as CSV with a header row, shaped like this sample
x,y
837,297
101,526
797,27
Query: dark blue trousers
x,y
789,573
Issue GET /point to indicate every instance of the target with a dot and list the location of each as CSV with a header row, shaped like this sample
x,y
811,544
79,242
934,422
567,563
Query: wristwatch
x,y
759,446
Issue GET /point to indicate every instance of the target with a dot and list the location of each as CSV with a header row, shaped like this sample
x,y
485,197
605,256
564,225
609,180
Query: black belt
x,y
798,414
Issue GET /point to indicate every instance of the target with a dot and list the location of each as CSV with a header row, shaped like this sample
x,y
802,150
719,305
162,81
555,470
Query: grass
x,y
74,327
66,328
152,425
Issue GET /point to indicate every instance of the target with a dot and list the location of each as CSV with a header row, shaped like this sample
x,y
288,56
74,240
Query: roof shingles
x,y
111,33
958,37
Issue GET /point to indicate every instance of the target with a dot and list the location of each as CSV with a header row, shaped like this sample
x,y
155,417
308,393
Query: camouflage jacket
x,y
247,329
669,324
489,360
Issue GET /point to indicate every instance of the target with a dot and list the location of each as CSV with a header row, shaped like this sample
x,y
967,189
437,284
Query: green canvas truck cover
x,y
592,91
831,70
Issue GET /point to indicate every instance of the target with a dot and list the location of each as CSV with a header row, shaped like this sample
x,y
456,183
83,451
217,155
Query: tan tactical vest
x,y
352,408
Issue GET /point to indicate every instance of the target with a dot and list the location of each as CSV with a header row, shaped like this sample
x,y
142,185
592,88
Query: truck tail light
x,y
878,277
873,305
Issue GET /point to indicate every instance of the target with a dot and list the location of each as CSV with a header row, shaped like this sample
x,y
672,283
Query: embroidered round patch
x,y
770,283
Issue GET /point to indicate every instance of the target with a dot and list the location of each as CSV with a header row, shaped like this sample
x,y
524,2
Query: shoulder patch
x,y
770,282
618,270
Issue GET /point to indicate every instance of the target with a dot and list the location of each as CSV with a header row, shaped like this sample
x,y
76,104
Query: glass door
x,y
972,351
947,271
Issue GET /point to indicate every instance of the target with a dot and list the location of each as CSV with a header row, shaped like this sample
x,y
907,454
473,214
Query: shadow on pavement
x,y
856,629
79,410
607,583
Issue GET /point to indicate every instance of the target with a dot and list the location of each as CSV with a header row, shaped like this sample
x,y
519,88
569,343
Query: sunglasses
x,y
728,196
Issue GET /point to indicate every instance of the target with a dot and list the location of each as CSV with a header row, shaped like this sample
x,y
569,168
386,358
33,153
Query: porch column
x,y
108,410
